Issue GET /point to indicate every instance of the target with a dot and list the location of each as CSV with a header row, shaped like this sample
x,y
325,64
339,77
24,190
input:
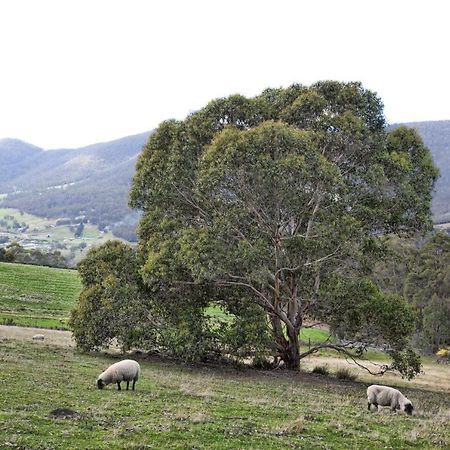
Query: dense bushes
x,y
116,307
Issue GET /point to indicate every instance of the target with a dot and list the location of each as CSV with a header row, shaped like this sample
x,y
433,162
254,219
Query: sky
x,y
78,72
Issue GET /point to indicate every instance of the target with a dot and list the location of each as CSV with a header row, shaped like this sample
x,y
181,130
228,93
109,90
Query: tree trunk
x,y
291,358
288,349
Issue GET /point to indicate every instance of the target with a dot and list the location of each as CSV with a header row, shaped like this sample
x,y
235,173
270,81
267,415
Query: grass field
x,y
37,296
203,407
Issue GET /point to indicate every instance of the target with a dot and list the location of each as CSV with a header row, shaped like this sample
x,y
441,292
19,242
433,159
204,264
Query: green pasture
x,y
31,220
198,407
37,296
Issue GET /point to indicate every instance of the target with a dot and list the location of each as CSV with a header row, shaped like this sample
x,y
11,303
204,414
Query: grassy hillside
x,y
206,407
37,296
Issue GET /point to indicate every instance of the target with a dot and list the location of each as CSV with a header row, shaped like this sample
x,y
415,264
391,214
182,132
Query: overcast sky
x,y
78,72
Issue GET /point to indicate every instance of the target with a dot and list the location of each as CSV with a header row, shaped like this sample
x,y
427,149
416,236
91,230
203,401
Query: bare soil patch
x,y
64,413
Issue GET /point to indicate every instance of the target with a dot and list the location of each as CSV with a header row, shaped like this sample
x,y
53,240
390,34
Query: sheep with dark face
x,y
387,396
126,370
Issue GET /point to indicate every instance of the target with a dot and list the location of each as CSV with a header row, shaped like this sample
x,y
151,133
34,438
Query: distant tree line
x,y
14,252
419,270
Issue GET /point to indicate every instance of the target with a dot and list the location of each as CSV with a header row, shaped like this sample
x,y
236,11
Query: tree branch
x,y
344,349
189,200
310,263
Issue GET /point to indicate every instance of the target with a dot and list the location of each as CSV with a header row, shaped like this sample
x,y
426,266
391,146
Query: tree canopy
x,y
281,200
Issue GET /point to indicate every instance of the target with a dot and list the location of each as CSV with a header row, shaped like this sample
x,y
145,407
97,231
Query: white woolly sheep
x,y
387,396
125,370
38,337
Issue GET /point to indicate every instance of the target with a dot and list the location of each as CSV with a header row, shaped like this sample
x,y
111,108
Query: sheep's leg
x,y
134,382
118,386
128,383
368,406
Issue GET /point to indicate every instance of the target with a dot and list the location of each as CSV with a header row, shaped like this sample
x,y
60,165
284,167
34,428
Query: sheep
x,y
38,337
125,370
387,396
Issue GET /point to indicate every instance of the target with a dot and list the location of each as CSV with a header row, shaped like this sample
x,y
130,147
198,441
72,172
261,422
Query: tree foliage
x,y
279,196
115,306
428,289
113,303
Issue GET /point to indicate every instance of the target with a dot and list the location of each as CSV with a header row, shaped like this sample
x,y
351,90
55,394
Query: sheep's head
x,y
409,409
100,383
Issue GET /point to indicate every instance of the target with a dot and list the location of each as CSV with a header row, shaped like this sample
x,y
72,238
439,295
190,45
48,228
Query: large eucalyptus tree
x,y
282,200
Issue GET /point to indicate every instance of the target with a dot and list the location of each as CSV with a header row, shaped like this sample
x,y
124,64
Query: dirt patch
x,y
64,413
53,337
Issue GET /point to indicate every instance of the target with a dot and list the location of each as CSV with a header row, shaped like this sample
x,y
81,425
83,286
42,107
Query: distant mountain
x,y
15,159
94,181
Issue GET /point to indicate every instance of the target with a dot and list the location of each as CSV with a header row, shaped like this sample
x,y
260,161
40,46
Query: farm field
x,y
201,407
37,296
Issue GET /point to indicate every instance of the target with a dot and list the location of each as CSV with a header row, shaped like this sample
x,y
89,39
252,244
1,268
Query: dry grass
x,y
435,377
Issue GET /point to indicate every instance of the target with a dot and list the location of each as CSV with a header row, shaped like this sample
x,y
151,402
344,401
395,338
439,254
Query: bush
x,y
321,370
113,303
344,373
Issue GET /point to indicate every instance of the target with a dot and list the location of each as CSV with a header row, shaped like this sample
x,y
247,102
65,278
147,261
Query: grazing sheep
x,y
387,396
38,337
125,370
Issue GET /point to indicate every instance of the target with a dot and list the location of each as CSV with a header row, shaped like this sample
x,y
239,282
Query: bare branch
x,y
313,214
266,302
313,325
324,258
344,349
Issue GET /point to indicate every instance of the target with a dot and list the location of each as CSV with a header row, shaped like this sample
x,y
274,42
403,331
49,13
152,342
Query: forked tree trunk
x,y
288,346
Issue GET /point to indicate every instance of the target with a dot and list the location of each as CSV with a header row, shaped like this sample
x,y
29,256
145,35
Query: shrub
x,y
344,373
321,370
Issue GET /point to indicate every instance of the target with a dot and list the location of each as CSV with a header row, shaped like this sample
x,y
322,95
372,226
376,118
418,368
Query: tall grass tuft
x,y
343,373
321,370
